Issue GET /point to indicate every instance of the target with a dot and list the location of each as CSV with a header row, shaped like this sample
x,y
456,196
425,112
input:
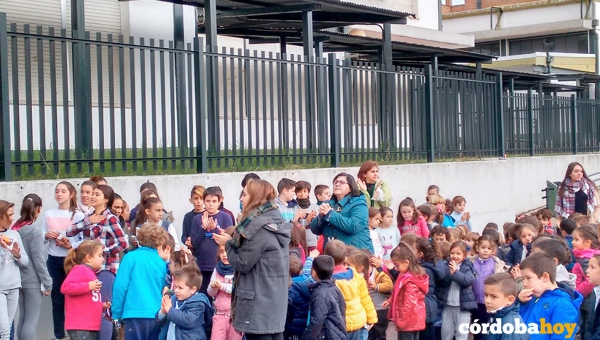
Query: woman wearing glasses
x,y
346,216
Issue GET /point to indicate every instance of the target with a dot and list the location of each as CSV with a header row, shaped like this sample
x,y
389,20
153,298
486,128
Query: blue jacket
x,y
506,315
347,221
464,276
327,312
516,252
190,319
137,291
436,272
571,264
554,306
298,305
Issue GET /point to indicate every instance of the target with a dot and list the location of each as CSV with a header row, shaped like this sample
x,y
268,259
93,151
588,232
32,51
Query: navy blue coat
x,y
590,318
298,305
436,272
464,276
327,312
190,319
506,315
516,252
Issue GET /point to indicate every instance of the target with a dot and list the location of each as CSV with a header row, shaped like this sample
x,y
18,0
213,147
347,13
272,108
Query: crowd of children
x,y
427,276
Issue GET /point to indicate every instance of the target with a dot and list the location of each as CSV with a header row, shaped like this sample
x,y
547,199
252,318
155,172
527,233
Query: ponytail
x,y
77,256
29,209
73,199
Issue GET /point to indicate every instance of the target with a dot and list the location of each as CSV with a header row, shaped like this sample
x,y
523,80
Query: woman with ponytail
x,y
35,274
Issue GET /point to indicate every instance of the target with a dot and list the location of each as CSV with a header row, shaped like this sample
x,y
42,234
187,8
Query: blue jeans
x,y
359,334
108,280
141,329
56,270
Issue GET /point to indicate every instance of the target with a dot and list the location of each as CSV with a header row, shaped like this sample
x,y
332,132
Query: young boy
x,y
327,305
500,294
187,314
213,220
460,216
139,282
322,194
287,206
298,297
568,226
303,199
543,302
360,309
197,200
558,251
545,217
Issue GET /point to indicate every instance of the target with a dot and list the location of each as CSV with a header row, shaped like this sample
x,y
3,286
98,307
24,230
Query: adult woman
x,y
377,192
346,216
258,252
577,193
103,226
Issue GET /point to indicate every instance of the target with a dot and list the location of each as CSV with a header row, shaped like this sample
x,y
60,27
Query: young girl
x,y
455,235
152,213
87,190
520,248
298,246
374,222
590,326
55,224
460,216
585,246
407,303
35,274
429,212
221,284
471,240
485,264
442,218
435,269
83,304
457,296
177,260
409,220
389,236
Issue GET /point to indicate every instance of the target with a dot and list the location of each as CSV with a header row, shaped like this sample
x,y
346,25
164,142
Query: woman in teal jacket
x,y
346,216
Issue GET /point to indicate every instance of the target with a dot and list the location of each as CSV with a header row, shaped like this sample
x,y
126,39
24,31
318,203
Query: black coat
x,y
327,312
516,252
590,318
464,276
436,272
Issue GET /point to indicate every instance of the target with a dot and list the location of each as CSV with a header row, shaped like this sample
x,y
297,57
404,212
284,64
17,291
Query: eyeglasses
x,y
339,182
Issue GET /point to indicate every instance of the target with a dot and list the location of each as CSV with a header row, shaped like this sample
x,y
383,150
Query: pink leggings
x,y
222,328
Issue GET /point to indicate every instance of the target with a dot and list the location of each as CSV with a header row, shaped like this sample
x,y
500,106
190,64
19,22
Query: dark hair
x,y
433,187
180,258
118,197
98,179
337,250
426,211
354,189
555,248
285,183
429,250
374,212
511,231
29,208
504,281
404,252
570,168
141,216
319,189
491,225
492,234
248,177
385,210
438,229
301,185
190,275
295,266
361,258
72,200
547,214
458,200
212,191
461,245
89,183
323,266
298,237
148,186
533,221
364,168
568,226
108,194
589,233
540,263
407,202
493,242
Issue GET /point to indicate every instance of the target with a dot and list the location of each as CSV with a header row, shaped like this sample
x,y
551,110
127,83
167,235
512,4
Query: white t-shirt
x,y
377,247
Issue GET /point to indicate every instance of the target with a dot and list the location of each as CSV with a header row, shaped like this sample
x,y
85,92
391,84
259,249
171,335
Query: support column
x,y
387,116
308,44
434,63
307,33
180,85
5,149
212,81
210,23
284,119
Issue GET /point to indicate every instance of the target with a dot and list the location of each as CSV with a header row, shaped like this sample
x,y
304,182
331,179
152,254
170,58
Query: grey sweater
x,y
36,271
9,265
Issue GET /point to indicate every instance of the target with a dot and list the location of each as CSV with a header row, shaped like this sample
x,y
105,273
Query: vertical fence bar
x,y
574,124
199,88
500,116
530,116
334,110
429,106
5,154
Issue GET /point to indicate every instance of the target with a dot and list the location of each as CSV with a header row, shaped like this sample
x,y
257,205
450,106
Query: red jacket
x,y
83,308
407,303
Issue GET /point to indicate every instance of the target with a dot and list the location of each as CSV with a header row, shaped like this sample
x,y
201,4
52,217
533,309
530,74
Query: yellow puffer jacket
x,y
359,306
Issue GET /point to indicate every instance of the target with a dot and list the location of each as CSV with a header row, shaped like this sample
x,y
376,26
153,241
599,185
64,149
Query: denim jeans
x,y
9,301
56,270
108,280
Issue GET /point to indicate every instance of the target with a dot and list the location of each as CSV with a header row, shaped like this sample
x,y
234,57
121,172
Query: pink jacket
x,y
223,294
582,258
83,308
420,228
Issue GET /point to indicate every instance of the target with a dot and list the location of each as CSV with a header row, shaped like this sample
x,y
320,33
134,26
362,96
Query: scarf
x,y
224,269
565,206
303,203
241,226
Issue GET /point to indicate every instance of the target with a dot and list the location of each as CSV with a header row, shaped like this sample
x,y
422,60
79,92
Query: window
x,y
567,43
489,48
478,4
457,2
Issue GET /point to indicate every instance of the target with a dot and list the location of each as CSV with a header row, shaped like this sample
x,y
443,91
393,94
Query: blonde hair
x,y
152,236
436,199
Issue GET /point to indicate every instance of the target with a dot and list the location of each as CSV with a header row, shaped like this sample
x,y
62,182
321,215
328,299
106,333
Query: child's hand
x,y
216,284
311,216
166,304
368,327
51,235
372,285
95,285
314,253
385,304
516,271
466,216
376,262
300,213
63,242
525,295
106,305
188,242
389,264
453,267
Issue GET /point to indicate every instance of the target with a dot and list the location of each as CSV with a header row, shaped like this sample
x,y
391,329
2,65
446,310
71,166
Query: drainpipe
x,y
440,26
596,37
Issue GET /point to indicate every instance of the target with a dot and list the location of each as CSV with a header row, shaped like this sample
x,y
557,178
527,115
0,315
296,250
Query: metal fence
x,y
117,105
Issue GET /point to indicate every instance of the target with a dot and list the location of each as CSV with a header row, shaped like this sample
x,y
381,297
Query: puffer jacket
x,y
436,273
298,305
327,311
407,304
347,221
507,315
261,264
190,319
359,306
582,260
590,318
464,276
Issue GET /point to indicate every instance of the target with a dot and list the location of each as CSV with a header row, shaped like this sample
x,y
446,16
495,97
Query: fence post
x,y
574,123
200,96
334,110
5,153
500,108
530,116
429,107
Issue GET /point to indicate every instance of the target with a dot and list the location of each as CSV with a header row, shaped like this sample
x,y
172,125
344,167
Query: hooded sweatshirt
x,y
35,272
562,275
9,265
287,209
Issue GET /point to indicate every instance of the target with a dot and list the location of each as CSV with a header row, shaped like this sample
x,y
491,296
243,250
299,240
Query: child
x,y
409,220
455,235
374,221
551,303
12,257
436,271
442,218
545,217
500,295
485,264
460,216
456,296
35,274
440,234
585,246
299,296
360,309
580,219
83,303
285,201
407,303
429,212
560,253
298,246
410,239
148,186
491,225
520,248
212,221
327,305
431,191
178,259
389,235
590,318
197,200
85,205
323,195
303,198
567,227
153,214
137,291
444,250
471,239
187,314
